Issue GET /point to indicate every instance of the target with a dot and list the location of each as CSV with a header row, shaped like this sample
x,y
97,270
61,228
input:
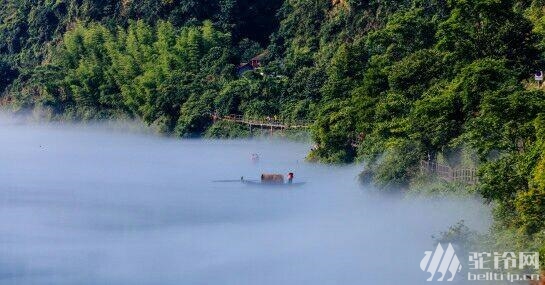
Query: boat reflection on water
x,y
259,183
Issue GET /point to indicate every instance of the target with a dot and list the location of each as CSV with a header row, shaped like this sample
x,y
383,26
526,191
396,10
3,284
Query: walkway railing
x,y
263,122
465,175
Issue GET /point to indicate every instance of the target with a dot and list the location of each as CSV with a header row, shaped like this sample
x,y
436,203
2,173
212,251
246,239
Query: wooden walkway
x,y
465,175
264,123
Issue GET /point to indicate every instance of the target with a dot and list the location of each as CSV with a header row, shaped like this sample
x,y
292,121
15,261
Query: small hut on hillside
x,y
253,64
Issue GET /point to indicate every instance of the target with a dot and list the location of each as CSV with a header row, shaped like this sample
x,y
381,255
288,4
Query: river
x,y
88,205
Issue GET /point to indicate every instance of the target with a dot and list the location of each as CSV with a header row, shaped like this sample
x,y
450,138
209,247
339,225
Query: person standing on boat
x,y
290,177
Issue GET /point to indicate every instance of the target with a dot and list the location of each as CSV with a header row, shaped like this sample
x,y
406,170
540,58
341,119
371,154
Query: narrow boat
x,y
265,184
273,180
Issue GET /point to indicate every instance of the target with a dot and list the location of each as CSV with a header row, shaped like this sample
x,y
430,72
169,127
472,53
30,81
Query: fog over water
x,y
85,205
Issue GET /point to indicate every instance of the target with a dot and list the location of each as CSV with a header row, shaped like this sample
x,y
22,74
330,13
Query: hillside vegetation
x,y
387,82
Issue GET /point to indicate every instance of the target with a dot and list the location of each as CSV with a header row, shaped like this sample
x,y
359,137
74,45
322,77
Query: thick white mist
x,y
80,205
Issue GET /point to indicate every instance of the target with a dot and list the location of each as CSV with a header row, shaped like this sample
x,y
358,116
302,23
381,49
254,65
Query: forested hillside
x,y
388,82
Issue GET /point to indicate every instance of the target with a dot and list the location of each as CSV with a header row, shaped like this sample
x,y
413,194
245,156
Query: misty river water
x,y
86,205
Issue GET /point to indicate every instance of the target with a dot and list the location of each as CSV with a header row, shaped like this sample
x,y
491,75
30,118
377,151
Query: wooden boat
x,y
266,184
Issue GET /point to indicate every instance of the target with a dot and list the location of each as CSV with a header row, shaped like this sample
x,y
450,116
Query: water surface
x,y
84,205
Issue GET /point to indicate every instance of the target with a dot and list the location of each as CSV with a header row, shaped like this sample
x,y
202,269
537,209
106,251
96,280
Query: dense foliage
x,y
388,82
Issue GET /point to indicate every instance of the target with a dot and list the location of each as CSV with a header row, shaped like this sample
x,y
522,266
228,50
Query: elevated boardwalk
x,y
464,175
264,123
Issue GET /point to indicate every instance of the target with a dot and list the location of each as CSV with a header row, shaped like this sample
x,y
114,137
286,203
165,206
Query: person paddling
x,y
290,177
